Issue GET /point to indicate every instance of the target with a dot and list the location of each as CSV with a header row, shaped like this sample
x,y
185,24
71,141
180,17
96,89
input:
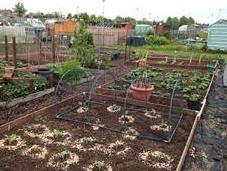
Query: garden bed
x,y
191,91
181,64
50,144
170,62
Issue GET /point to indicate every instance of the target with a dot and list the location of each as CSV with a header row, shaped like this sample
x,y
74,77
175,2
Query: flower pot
x,y
142,93
8,73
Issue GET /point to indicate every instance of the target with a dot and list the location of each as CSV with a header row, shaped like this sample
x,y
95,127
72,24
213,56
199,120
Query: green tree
x,y
173,22
191,20
184,21
69,16
93,19
19,9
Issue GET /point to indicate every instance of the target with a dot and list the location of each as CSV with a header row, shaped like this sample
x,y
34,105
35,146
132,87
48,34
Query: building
x,y
6,12
143,29
217,36
161,28
63,28
127,26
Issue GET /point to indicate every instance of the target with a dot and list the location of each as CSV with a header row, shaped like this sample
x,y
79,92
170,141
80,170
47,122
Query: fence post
x,y
6,49
14,52
53,50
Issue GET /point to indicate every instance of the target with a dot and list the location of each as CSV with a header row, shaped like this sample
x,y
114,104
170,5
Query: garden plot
x,y
129,119
50,144
192,86
176,63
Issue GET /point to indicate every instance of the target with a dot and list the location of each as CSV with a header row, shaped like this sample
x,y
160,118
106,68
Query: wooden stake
x,y
53,51
14,52
6,49
31,82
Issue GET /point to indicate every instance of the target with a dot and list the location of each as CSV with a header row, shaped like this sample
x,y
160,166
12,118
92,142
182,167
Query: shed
x,y
217,36
63,28
142,29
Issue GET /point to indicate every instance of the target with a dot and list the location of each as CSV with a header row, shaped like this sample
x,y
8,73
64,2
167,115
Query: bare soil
x,y
9,160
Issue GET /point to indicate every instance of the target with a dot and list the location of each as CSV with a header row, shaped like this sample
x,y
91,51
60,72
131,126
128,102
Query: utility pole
x,y
103,13
137,13
220,10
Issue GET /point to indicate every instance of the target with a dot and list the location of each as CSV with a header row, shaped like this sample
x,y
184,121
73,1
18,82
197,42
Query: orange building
x,y
63,28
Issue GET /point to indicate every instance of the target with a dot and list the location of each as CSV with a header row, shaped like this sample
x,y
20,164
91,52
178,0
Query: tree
x,y
19,9
93,19
84,17
184,21
191,20
69,16
173,22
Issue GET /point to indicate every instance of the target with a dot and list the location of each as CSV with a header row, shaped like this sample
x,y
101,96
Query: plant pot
x,y
194,105
142,93
8,73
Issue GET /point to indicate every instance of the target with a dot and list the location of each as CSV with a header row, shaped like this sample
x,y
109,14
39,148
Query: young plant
x,y
194,97
88,140
11,139
99,165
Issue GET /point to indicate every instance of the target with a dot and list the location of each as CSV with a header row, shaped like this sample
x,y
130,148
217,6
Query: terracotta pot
x,y
8,73
142,93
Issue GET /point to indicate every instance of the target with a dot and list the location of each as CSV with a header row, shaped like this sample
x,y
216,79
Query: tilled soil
x,y
12,113
208,151
128,161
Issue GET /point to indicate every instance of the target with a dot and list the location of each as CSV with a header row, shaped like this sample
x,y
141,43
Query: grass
x,y
173,49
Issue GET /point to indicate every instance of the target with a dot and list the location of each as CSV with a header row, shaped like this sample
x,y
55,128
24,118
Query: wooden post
x,y
6,49
53,50
40,52
50,80
14,52
31,82
1,92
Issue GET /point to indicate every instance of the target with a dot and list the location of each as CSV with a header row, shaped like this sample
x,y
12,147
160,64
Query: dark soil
x,y
12,113
210,140
9,160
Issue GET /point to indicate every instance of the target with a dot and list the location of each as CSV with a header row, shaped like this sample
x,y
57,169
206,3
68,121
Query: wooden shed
x,y
217,36
63,28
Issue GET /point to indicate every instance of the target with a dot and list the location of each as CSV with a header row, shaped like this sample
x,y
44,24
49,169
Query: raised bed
x,y
170,62
88,144
189,95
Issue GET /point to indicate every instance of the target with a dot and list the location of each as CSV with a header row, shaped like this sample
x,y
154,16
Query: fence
x,y
108,36
35,52
23,34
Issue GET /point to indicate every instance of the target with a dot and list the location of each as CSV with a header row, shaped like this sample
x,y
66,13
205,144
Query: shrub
x,y
157,40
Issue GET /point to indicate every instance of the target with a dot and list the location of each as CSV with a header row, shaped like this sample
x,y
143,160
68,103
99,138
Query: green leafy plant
x,y
88,140
71,66
194,97
57,134
157,40
99,165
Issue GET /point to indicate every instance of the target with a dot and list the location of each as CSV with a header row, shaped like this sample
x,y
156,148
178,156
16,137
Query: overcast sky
x,y
201,10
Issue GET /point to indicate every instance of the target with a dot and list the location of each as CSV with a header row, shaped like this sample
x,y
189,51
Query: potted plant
x,y
142,89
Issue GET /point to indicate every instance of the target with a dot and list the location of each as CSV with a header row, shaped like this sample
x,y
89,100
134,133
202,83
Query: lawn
x,y
174,49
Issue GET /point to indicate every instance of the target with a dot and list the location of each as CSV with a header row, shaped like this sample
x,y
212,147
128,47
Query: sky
x,y
203,11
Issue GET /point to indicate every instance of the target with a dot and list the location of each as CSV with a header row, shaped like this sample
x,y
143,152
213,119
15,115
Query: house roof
x,y
221,21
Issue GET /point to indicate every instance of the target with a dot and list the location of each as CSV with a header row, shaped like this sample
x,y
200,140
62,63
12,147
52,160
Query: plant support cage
x,y
128,116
